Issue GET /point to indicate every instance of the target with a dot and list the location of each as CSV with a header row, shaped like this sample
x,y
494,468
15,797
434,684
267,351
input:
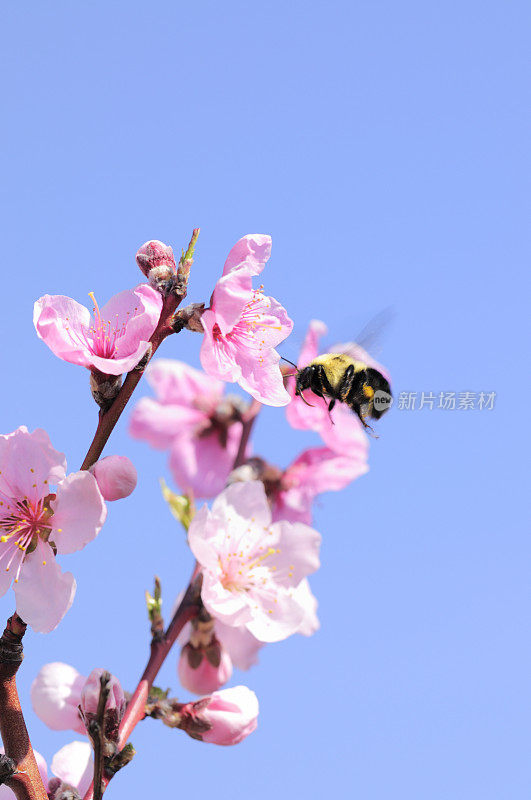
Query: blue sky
x,y
382,146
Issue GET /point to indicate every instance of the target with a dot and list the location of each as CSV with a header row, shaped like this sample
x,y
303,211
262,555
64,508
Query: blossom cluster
x,y
253,541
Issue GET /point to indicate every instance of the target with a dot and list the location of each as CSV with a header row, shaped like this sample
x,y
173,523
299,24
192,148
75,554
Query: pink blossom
x,y
116,476
113,342
56,695
243,326
250,565
341,430
74,765
192,418
316,470
198,674
33,518
225,718
240,644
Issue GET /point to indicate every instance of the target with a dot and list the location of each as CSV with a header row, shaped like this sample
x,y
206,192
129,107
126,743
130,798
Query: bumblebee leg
x,y
317,384
325,383
345,384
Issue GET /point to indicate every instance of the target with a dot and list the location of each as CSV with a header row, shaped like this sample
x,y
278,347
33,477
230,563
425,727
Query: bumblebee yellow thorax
x,y
335,365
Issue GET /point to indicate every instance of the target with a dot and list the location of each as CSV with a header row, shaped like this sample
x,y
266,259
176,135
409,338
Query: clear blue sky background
x,y
382,145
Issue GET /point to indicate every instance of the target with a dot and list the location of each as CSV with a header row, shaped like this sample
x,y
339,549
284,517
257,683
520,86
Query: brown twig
x,y
247,425
135,712
26,782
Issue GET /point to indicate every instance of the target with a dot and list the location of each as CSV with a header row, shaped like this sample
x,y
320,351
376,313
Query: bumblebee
x,y
343,379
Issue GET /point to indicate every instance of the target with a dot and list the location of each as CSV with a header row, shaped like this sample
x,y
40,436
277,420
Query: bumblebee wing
x,y
367,340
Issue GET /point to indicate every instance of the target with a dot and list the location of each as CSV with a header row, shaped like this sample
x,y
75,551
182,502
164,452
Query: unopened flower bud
x,y
116,476
157,262
204,670
225,718
114,705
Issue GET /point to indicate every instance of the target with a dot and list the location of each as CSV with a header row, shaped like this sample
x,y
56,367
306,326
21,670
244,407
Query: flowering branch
x,y
109,418
160,647
26,781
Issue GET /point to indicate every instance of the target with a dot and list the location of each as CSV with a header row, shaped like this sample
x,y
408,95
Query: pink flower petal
x,y
229,607
202,464
177,383
240,644
263,379
217,356
310,346
304,596
117,365
320,469
64,325
55,697
28,463
74,764
239,503
230,297
297,552
139,311
275,618
252,250
44,594
159,424
79,512
293,505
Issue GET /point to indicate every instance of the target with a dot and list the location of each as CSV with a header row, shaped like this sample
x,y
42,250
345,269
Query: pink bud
x,y
55,696
225,718
114,707
155,255
116,476
204,671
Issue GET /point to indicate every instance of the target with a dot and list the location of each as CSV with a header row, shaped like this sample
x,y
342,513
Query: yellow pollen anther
x,y
31,469
44,563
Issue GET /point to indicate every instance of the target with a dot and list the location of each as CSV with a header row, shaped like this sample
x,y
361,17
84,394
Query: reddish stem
x,y
160,648
248,421
26,782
